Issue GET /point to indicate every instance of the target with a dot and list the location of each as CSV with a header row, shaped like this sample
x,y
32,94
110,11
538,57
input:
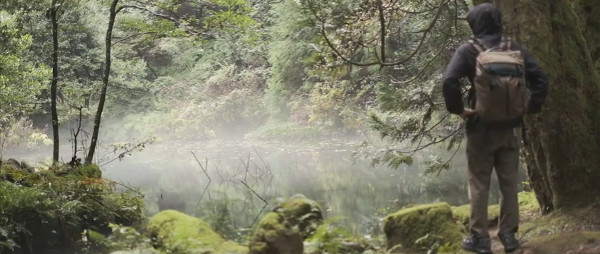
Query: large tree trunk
x,y
562,144
588,12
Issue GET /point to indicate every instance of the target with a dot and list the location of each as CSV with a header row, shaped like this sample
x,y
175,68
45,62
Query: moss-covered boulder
x,y
301,212
423,227
174,231
275,236
462,214
284,230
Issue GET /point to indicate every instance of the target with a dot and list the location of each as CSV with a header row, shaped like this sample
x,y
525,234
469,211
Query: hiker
x,y
492,141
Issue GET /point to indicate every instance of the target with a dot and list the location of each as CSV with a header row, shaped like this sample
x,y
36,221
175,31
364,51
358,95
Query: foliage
x,y
20,79
285,131
331,238
121,238
20,133
410,44
58,204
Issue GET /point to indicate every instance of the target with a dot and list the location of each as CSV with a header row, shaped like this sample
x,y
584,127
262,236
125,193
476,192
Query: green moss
x,y
301,212
176,230
528,202
12,173
269,227
423,227
561,221
272,221
273,235
228,247
91,171
330,238
284,230
462,214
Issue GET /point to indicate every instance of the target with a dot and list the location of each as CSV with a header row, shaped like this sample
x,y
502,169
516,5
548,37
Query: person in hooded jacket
x,y
490,146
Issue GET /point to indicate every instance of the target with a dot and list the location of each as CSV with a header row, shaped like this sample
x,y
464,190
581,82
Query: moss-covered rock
x,y
423,227
301,212
172,230
462,214
283,230
275,236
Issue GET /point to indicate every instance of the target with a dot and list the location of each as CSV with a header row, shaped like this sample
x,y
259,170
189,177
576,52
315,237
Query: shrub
x,y
48,211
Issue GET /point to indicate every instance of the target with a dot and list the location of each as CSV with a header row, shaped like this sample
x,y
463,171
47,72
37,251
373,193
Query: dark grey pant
x,y
499,150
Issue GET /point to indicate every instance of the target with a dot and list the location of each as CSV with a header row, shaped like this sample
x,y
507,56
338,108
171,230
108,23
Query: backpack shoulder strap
x,y
477,45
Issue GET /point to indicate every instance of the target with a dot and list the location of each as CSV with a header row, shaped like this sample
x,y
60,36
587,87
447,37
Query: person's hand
x,y
467,113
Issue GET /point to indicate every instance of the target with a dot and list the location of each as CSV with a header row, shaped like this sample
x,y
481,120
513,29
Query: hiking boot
x,y
477,244
509,241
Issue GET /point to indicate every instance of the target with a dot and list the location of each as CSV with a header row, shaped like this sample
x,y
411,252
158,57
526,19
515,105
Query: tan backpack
x,y
501,92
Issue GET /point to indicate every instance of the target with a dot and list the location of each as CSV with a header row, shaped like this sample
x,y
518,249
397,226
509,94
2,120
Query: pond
x,y
246,179
240,181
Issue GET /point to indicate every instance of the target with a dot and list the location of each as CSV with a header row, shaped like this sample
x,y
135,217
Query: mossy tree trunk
x,y
562,144
588,12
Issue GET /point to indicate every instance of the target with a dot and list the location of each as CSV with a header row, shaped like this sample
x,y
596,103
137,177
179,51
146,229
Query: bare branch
x,y
167,17
435,141
261,198
205,173
450,159
422,71
123,39
381,61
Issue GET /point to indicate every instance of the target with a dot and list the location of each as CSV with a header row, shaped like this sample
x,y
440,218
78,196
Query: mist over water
x,y
243,173
236,176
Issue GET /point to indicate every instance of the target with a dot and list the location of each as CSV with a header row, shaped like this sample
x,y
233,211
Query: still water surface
x,y
246,179
249,178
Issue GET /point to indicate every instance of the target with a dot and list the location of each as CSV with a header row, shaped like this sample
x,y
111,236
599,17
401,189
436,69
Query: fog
x,y
200,177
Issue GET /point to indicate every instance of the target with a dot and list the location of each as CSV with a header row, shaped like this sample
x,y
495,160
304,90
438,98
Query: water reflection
x,y
238,177
242,174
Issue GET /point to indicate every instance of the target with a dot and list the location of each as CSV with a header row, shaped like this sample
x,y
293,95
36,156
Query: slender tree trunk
x,y
53,87
105,78
562,144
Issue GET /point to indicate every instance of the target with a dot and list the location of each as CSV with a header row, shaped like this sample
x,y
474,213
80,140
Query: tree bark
x,y
562,144
588,12
105,79
53,87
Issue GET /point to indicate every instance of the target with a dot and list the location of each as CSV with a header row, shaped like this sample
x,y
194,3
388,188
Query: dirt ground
x,y
561,232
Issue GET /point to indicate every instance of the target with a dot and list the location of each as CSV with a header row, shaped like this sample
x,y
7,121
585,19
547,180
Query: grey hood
x,y
486,23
